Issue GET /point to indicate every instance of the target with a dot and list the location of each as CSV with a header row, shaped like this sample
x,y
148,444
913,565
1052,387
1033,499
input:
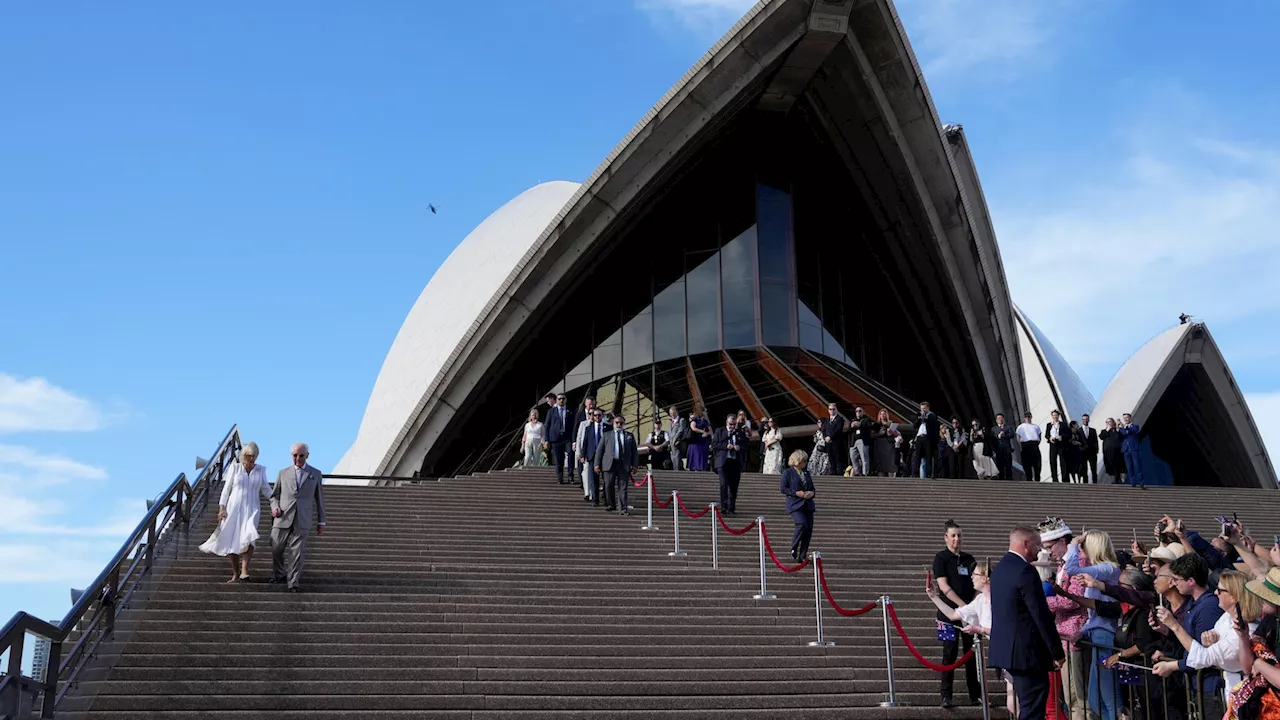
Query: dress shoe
x,y
610,508
624,512
946,703
276,580
295,589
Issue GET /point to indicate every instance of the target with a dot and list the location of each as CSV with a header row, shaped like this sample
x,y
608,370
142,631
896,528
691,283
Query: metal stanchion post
x,y
817,603
885,602
982,676
675,511
715,537
648,481
764,590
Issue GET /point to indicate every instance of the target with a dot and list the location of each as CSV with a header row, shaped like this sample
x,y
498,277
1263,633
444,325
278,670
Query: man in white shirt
x,y
1029,437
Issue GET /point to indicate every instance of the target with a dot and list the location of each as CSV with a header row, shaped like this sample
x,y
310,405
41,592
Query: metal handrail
x,y
102,600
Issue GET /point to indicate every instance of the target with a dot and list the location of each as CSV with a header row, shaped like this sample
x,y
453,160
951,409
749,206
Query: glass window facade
x,y
738,290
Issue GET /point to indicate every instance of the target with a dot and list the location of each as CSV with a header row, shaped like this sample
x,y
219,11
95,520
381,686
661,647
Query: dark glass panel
x,y
703,293
637,340
774,223
775,314
810,328
580,375
738,289
717,392
608,357
671,386
668,322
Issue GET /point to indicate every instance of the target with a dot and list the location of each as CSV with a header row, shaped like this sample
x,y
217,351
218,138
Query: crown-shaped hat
x,y
1053,528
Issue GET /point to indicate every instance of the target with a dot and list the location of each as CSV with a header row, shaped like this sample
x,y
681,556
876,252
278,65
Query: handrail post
x,y
648,479
107,598
151,541
764,589
11,700
715,536
817,602
50,679
675,512
981,659
885,602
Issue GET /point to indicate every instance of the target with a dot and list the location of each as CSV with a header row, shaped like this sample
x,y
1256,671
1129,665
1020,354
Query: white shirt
x,y
1029,432
924,430
1224,654
1054,433
977,612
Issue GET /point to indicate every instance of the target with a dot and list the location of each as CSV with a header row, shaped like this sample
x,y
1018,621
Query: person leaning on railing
x,y
1219,647
1258,696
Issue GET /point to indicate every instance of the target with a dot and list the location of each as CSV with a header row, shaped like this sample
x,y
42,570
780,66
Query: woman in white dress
x,y
532,442
772,440
238,510
983,464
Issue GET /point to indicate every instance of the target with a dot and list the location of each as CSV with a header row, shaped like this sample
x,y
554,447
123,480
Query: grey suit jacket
x,y
297,505
607,458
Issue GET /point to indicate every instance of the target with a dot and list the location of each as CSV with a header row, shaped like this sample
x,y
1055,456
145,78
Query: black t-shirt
x,y
958,571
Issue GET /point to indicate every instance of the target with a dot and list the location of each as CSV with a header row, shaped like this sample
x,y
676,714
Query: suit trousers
x,y
960,463
1058,459
804,530
730,473
929,458
950,652
1133,467
615,488
1032,689
288,546
590,482
559,450
1089,465
836,455
1031,460
861,458
1004,463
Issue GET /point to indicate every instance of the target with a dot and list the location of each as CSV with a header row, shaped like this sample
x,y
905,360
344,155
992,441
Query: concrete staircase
x,y
505,596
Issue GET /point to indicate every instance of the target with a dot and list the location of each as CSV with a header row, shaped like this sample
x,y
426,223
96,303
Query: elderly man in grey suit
x,y
617,457
296,498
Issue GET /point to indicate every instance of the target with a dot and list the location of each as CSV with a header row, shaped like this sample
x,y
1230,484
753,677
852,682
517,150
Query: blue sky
x,y
217,214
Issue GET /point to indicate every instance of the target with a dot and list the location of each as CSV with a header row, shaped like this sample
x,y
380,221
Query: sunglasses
x,y
298,455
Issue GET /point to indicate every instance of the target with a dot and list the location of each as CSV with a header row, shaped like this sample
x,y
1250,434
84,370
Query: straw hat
x,y
1167,553
1267,588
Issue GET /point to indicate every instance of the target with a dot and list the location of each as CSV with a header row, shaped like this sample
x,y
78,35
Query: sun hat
x,y
1166,553
1267,588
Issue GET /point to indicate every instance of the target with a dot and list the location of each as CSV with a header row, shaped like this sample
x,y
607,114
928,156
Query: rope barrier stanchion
x,y
764,590
893,615
982,676
887,603
675,512
715,538
817,601
648,478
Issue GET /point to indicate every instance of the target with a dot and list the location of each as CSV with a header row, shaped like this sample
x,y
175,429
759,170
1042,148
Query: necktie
x,y
617,444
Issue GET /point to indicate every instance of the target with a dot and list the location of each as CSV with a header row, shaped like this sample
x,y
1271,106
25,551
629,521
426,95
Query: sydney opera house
x,y
790,224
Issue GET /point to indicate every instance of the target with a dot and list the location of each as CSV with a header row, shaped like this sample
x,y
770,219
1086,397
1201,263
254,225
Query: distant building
x,y
41,659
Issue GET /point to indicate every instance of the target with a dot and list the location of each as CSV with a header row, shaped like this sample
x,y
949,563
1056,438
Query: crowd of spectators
x,y
1184,627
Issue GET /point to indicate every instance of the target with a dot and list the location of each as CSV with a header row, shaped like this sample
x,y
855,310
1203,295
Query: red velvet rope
x,y
822,576
730,530
653,490
685,510
764,534
893,615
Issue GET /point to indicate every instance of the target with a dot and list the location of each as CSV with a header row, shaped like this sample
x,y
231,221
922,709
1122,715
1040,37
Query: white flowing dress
x,y
240,493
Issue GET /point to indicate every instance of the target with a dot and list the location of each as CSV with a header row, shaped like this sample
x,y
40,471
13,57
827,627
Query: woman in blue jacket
x,y
797,485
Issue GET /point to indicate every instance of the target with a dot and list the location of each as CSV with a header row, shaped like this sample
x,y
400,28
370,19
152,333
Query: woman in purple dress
x,y
699,440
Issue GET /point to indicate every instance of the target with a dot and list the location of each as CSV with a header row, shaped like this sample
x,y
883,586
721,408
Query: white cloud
x,y
710,17
1181,223
73,563
25,466
35,404
956,36
1265,408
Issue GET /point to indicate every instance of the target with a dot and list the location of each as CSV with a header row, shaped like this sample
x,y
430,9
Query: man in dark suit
x,y
729,444
1058,434
834,439
927,428
1090,451
1024,638
616,458
559,435
1002,435
591,437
